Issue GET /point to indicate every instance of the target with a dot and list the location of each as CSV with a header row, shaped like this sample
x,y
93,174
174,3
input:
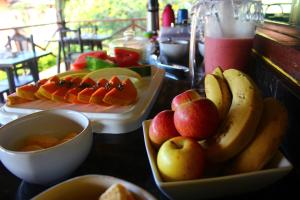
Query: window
x,y
283,11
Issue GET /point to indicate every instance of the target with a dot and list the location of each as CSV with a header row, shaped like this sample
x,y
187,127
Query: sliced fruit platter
x,y
116,98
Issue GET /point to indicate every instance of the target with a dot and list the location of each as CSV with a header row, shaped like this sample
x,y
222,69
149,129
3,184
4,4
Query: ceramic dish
x,y
216,186
89,187
112,119
51,156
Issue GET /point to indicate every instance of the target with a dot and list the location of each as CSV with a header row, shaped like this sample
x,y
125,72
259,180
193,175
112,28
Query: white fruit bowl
x,y
89,187
215,186
49,165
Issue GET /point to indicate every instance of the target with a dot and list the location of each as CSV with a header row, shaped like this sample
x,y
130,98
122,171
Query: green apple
x,y
180,158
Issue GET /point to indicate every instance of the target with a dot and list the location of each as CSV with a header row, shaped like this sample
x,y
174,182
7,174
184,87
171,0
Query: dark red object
x,y
168,16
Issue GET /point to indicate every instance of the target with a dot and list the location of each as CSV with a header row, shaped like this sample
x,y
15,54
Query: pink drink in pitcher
x,y
227,53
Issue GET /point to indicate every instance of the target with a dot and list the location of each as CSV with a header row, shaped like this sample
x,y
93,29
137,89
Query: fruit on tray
x,y
180,158
216,89
27,91
13,99
240,124
123,94
269,134
184,97
245,139
104,87
81,61
126,57
162,128
198,119
76,90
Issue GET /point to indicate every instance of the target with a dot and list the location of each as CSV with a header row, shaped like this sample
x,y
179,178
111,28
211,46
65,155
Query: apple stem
x,y
177,146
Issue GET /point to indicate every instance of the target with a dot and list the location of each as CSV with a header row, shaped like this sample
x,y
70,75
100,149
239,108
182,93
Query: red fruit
x,y
197,119
162,127
126,57
81,62
184,97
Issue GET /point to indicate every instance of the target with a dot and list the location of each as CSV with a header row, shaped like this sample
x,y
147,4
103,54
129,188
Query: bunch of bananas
x,y
252,127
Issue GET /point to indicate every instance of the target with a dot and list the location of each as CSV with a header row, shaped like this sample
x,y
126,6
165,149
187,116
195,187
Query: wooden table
x,y
124,156
7,65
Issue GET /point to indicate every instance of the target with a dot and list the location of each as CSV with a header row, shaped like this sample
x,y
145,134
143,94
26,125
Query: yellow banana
x,y
218,72
216,89
238,127
269,134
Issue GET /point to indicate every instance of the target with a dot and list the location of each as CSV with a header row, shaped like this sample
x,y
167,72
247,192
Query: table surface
x,y
124,156
21,57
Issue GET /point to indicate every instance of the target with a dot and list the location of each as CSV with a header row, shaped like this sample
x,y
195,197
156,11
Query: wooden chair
x,y
89,32
19,43
71,45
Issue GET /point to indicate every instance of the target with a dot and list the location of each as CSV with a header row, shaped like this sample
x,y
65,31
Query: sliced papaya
x,y
14,99
123,94
102,82
47,89
27,91
54,79
87,82
41,82
114,81
71,95
76,81
85,95
98,95
59,94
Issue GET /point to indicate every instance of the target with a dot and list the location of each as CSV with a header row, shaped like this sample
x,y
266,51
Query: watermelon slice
x,y
81,61
126,57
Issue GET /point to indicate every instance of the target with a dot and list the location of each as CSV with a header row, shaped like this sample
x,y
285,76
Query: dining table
x,y
11,59
90,40
124,156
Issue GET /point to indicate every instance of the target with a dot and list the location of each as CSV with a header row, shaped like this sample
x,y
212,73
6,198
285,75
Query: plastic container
x,y
131,41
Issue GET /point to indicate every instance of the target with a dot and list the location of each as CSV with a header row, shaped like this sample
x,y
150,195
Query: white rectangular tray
x,y
104,119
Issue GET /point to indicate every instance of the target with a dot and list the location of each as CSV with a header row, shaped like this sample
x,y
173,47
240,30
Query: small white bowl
x,y
89,187
48,165
174,50
213,187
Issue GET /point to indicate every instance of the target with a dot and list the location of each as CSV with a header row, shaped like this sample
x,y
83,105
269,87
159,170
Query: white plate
x,y
216,186
104,119
89,187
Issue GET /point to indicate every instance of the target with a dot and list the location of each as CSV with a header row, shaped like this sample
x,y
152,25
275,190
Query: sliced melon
x,y
114,71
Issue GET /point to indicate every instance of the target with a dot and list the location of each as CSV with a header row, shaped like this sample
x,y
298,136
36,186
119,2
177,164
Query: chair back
x,y
18,43
71,44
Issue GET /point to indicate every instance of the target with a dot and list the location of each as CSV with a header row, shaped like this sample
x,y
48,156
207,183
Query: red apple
x,y
198,119
184,97
162,127
180,158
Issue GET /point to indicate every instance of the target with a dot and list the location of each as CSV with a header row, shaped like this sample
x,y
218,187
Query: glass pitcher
x,y
226,29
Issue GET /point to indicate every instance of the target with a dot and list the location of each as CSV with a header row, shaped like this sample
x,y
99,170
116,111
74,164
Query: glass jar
x,y
131,41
